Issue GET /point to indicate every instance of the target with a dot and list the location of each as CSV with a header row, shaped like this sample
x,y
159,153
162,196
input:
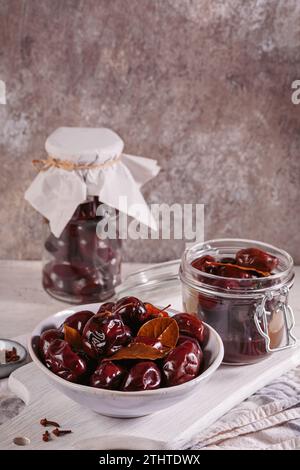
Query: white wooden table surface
x,y
23,302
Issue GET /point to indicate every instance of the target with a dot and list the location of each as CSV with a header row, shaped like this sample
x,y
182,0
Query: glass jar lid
x,y
158,284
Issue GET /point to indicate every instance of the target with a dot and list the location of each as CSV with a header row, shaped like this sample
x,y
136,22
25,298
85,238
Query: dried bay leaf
x,y
138,351
238,267
164,329
73,337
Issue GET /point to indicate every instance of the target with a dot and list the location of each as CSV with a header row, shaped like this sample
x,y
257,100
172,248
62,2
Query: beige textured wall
x,y
204,86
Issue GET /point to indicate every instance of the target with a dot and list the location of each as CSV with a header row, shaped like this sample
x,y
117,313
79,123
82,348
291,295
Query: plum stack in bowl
x,y
128,345
126,359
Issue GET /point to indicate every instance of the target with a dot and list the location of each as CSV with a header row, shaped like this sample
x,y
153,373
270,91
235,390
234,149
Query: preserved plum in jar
x,y
79,267
240,288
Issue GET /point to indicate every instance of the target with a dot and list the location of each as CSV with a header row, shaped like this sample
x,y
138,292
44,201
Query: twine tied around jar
x,y
44,164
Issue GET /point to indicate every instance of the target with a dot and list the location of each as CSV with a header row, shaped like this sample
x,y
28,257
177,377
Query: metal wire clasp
x,y
261,314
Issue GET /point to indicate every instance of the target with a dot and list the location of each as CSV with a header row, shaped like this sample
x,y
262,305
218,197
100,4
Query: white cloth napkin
x,y
268,420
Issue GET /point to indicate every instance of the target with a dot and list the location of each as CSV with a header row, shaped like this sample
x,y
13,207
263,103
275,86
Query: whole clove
x,y
61,432
46,436
46,422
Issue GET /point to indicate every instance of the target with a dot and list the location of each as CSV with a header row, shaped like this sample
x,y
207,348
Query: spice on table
x,y
46,422
7,356
46,436
61,432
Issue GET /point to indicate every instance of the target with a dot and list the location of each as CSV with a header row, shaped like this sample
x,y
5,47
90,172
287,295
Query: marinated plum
x,y
106,307
227,297
257,259
57,246
101,350
201,263
248,263
81,267
144,375
64,362
233,271
228,260
132,311
191,325
79,320
108,375
104,335
46,338
182,363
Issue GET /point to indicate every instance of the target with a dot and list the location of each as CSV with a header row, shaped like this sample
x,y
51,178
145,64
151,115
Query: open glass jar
x,y
252,315
80,266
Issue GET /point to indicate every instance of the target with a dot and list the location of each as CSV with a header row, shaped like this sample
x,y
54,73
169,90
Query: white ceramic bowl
x,y
125,404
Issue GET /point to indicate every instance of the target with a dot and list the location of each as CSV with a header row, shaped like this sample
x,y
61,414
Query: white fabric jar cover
x,y
113,176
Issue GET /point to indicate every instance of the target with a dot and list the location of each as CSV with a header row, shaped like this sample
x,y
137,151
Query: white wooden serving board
x,y
174,428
